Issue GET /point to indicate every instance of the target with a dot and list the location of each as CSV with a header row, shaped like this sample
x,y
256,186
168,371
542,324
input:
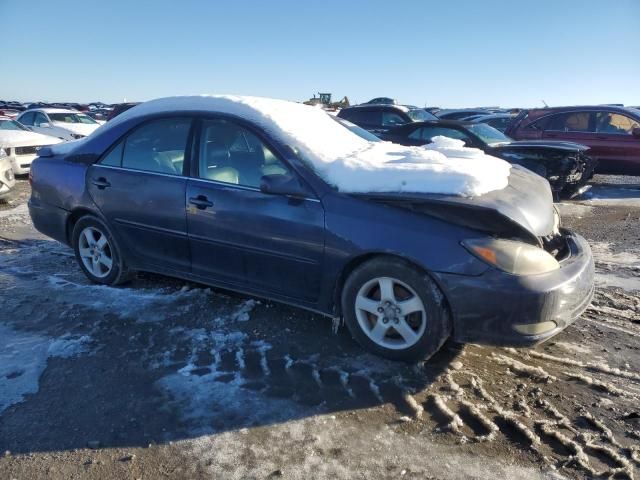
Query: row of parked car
x,y
25,128
566,145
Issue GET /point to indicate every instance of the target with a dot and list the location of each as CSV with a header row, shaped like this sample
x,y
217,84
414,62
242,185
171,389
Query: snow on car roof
x,y
342,158
55,110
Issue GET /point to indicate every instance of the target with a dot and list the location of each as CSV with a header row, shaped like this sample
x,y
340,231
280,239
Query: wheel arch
x,y
355,262
75,215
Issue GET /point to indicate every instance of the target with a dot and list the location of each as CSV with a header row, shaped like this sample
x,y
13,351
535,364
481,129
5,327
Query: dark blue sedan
x,y
208,192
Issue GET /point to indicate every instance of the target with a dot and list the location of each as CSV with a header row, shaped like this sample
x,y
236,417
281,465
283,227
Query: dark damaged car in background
x,y
566,165
197,188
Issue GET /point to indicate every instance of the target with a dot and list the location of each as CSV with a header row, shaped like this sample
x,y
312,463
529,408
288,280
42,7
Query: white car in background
x,y
58,122
21,144
7,180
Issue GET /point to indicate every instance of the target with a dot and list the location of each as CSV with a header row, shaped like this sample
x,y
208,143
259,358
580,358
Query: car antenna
x,y
545,104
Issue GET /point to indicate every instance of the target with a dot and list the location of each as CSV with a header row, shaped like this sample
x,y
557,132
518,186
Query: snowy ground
x,y
165,379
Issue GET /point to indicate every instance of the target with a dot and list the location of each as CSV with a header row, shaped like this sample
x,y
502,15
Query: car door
x,y
242,236
614,144
140,189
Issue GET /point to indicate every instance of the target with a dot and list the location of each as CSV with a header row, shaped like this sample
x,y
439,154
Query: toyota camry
x,y
409,245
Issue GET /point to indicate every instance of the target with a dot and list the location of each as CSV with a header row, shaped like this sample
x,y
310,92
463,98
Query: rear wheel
x,y
395,310
98,253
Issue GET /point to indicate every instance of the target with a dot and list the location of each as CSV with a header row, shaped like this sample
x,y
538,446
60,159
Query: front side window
x,y
570,122
420,115
230,153
615,123
40,119
157,146
426,134
488,134
390,119
499,123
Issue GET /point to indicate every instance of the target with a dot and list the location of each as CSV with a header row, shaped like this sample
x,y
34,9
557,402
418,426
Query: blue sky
x,y
441,53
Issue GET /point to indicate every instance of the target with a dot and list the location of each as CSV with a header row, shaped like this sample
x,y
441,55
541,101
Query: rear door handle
x,y
101,183
200,202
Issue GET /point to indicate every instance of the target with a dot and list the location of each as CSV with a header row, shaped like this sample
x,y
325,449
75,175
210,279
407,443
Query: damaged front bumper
x,y
503,309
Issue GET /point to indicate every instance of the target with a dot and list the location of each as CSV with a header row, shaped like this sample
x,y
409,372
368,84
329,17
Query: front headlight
x,y
2,153
512,257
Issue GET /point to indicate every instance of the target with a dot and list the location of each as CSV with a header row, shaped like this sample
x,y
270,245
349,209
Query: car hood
x,y
557,144
524,206
19,138
78,128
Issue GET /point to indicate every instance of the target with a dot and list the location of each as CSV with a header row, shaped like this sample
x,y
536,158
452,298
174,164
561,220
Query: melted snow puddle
x,y
608,262
23,358
574,210
211,397
126,302
600,195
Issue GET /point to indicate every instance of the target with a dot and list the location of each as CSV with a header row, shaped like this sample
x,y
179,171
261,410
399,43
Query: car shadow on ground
x,y
162,360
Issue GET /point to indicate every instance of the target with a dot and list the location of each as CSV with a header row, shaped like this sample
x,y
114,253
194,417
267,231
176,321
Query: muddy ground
x,y
167,379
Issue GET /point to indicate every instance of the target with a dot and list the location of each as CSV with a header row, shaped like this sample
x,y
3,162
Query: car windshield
x,y
71,118
488,134
361,132
420,115
6,124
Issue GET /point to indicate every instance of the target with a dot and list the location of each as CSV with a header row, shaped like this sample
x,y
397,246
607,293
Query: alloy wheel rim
x,y
95,252
390,313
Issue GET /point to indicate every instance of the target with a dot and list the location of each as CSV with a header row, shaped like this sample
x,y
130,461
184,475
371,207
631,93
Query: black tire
x,y
119,272
438,321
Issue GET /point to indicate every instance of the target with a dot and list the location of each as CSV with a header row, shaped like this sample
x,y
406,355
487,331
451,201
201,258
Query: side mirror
x,y
636,132
45,125
280,184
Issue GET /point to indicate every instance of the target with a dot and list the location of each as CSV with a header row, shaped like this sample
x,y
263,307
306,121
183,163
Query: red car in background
x,y
611,132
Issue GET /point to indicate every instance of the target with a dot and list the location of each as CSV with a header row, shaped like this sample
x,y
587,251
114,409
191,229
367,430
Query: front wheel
x,y
395,310
97,252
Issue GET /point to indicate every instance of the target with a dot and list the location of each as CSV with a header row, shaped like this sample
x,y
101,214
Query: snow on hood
x,y
79,128
342,158
21,138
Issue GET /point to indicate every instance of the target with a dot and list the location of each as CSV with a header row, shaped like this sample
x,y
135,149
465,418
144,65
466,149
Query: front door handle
x,y
200,202
101,183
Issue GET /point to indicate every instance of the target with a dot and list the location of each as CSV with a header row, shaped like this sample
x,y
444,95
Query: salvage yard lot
x,y
177,380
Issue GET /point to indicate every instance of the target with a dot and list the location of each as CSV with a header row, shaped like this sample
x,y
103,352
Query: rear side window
x,y
570,122
157,146
114,157
369,118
